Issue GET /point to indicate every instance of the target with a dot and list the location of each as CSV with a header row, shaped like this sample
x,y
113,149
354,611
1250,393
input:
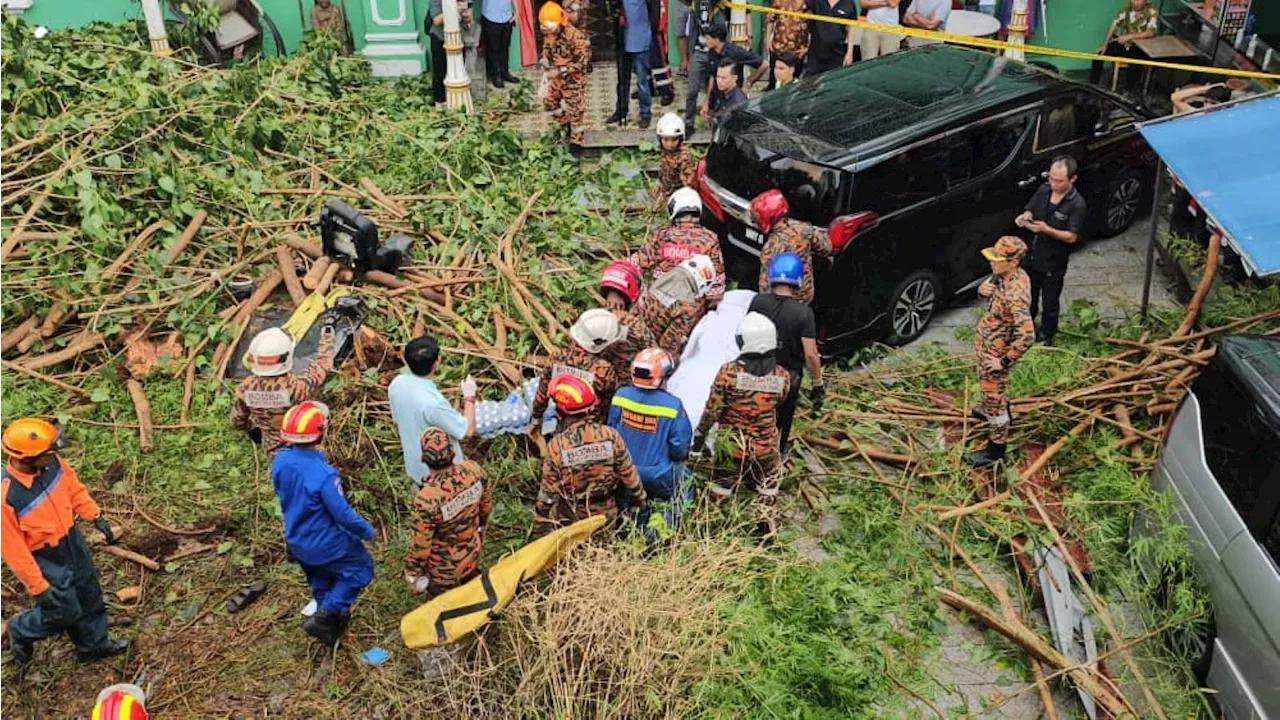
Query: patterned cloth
x,y
670,245
747,404
594,369
1131,21
566,57
586,468
670,316
621,353
261,402
508,416
446,519
1004,332
790,34
801,238
675,170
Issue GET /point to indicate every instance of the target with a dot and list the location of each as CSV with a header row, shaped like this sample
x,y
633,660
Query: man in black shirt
x,y
830,44
797,339
719,48
702,15
727,95
1056,215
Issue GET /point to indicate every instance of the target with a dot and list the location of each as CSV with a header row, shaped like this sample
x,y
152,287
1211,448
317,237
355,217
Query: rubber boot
x,y
325,626
988,456
110,648
22,651
575,150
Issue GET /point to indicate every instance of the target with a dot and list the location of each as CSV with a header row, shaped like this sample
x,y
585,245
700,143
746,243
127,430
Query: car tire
x,y
912,305
1122,203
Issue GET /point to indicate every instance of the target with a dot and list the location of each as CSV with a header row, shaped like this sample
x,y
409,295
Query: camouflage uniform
x,y
676,169
801,238
747,404
670,323
586,468
261,402
596,370
1004,332
621,353
447,514
670,245
566,57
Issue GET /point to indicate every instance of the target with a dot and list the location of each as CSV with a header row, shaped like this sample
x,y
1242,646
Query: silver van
x,y
1221,465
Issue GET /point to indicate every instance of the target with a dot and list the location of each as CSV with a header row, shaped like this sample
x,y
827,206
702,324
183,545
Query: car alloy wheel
x,y
914,307
1122,206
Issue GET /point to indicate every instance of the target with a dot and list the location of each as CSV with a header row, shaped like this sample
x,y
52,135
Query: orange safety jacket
x,y
36,513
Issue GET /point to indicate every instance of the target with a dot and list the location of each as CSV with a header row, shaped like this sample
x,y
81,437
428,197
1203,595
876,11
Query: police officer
x,y
447,519
673,304
42,545
1003,335
744,399
261,401
587,467
684,237
1056,214
797,339
620,288
585,358
769,210
655,427
321,530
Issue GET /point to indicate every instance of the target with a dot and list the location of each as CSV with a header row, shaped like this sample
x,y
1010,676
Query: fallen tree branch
x,y
42,377
16,335
131,556
142,407
284,260
169,528
83,343
1206,282
978,507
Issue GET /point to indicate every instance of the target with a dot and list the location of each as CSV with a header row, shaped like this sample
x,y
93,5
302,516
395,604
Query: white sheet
x,y
711,345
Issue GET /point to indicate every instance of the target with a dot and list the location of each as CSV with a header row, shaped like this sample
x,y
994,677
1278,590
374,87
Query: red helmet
x,y
304,423
651,367
121,702
623,276
768,208
573,395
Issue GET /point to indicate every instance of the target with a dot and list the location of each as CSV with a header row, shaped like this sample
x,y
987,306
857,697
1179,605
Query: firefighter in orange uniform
x,y
44,548
620,287
670,245
566,58
262,400
585,358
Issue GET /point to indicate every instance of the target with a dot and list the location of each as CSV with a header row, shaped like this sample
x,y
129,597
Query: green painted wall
x,y
1078,25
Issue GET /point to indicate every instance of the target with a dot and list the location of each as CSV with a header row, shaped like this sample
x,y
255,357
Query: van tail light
x,y
709,199
846,227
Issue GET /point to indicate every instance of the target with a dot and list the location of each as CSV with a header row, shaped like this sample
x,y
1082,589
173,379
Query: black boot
x,y
617,118
508,77
667,98
496,81
22,650
644,121
575,150
988,456
111,647
325,626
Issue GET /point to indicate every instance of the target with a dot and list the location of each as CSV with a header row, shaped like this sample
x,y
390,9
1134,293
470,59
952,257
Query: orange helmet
x,y
651,367
304,423
120,702
551,14
573,395
31,437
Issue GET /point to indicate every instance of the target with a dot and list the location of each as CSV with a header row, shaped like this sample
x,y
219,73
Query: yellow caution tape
x,y
1002,44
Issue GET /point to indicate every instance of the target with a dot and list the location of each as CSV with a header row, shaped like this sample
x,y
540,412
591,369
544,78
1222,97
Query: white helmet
x,y
271,353
702,270
596,330
671,125
684,200
757,335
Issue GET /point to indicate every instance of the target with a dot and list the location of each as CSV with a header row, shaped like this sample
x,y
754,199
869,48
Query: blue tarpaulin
x,y
1229,160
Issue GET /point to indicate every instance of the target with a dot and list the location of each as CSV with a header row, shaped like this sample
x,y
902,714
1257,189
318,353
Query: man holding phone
x,y
1056,215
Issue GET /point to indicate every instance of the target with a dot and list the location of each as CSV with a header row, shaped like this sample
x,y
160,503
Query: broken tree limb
x,y
1042,685
42,377
1206,282
188,234
57,313
1265,315
317,271
504,245
381,198
125,257
391,282
188,387
521,305
131,556
284,260
142,407
326,280
171,529
977,507
266,285
16,335
1053,449
16,233
871,452
81,344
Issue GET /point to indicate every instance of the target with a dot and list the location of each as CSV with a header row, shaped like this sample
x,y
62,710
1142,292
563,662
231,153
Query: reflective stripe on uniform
x,y
644,408
44,494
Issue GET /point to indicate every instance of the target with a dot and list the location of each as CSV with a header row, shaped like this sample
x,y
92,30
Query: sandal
x,y
245,596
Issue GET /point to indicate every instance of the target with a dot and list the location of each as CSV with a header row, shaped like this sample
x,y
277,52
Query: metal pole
x,y
1151,241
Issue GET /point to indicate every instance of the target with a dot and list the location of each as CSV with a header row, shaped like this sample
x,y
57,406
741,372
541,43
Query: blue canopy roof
x,y
1229,159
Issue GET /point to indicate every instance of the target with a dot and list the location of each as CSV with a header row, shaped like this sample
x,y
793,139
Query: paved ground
x,y
1108,272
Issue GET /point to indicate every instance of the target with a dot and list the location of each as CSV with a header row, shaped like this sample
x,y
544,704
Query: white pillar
x,y
457,84
1017,29
738,27
155,27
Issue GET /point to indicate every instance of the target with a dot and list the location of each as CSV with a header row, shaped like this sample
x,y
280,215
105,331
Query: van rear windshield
x,y
746,168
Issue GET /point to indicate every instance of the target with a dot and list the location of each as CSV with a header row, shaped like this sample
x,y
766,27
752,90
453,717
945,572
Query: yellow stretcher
x,y
467,608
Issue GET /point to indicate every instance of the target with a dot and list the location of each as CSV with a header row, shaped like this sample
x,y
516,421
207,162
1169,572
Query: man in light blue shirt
x,y
636,21
416,404
497,17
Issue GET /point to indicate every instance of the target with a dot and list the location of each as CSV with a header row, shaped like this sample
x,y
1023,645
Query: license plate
x,y
754,237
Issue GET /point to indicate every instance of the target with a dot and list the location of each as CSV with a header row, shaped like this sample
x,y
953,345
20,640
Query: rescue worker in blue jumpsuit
x,y
321,530
656,430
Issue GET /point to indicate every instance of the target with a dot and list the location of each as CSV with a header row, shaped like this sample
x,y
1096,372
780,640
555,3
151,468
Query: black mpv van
x,y
923,157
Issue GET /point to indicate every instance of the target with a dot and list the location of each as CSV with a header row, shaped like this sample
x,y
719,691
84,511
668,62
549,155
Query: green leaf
x,y
224,547
170,567
167,184
100,395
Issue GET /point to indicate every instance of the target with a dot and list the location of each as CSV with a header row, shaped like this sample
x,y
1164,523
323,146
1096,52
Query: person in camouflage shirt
x,y
673,304
744,400
620,287
566,57
447,519
587,467
262,400
676,166
670,245
786,34
586,359
769,210
1004,334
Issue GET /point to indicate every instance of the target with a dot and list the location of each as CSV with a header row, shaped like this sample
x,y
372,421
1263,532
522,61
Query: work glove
x,y
696,448
105,528
417,583
818,397
52,600
469,388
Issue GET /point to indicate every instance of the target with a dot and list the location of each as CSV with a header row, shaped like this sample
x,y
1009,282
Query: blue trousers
x,y
81,615
336,585
674,490
639,64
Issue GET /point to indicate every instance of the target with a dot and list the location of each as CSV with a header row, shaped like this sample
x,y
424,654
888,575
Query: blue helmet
x,y
786,269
